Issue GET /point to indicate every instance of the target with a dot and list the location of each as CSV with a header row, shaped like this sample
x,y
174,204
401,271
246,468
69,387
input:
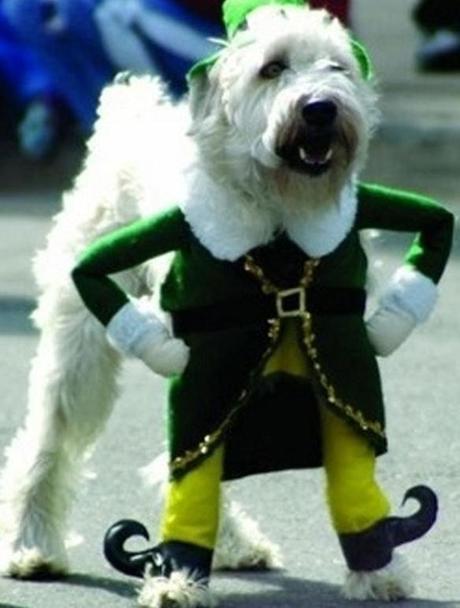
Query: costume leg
x,y
355,499
188,533
192,505
359,511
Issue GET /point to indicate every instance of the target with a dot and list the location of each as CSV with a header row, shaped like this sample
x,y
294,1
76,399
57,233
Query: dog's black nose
x,y
320,113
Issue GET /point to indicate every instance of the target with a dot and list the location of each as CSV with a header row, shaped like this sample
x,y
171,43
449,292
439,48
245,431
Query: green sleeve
x,y
122,249
388,209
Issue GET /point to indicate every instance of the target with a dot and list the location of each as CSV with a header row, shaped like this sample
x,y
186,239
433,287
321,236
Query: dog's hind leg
x,y
241,544
71,391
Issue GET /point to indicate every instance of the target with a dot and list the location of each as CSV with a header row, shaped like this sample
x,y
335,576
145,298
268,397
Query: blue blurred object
x,y
66,40
38,130
83,43
29,91
19,68
157,36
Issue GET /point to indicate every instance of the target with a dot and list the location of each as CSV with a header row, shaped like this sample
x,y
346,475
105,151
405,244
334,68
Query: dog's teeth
x,y
309,160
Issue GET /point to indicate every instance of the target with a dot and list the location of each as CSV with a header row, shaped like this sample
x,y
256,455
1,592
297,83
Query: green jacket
x,y
216,307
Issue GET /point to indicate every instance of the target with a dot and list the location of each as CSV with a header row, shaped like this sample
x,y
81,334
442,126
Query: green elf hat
x,y
235,13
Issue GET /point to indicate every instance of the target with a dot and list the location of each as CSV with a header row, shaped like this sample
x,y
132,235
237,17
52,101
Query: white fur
x,y
72,383
177,591
251,193
241,545
140,161
391,583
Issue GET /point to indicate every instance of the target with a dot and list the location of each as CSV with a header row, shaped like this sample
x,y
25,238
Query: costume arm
x,y
132,327
411,295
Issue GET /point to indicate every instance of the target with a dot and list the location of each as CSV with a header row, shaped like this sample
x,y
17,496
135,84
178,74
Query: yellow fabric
x,y
288,356
356,501
192,505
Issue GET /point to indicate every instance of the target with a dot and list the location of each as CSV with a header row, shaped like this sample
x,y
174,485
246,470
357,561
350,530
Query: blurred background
x,y
55,57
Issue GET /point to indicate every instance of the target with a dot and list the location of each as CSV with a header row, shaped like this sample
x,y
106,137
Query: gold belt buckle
x,y
301,304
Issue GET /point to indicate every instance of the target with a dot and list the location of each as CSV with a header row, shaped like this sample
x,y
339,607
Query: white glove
x,y
136,331
388,328
408,300
164,355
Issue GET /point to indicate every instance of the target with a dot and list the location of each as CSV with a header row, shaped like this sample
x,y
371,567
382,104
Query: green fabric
x,y
235,11
391,209
124,248
223,363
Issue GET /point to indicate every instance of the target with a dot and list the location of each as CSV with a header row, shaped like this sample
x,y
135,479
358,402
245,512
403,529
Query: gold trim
x,y
310,343
332,398
250,266
211,440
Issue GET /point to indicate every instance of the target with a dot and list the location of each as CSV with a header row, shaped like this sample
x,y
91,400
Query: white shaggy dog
x,y
236,159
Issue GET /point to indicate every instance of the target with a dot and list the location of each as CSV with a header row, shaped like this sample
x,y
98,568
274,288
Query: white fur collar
x,y
229,226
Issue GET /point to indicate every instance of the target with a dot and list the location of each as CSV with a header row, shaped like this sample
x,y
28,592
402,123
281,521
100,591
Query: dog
x,y
275,133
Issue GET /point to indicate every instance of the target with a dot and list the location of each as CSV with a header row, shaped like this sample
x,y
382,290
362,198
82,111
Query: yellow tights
x,y
355,500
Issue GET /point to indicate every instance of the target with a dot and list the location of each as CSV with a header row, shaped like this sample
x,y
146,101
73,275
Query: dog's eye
x,y
336,67
272,69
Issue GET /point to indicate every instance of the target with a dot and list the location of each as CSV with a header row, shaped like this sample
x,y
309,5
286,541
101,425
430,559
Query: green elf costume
x,y
275,366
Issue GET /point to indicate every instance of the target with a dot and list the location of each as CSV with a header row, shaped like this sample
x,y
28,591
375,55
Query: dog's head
x,y
286,98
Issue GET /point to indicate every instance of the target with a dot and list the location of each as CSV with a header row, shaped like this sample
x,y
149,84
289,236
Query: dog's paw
x,y
241,545
32,564
177,591
394,582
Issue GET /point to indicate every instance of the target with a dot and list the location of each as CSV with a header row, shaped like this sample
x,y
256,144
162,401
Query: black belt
x,y
255,309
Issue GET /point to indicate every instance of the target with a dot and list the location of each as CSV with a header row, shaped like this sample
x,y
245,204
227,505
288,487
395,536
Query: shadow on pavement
x,y
290,592
117,587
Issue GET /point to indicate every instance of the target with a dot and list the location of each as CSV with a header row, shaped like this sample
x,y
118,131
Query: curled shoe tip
x,y
130,563
406,529
125,528
423,494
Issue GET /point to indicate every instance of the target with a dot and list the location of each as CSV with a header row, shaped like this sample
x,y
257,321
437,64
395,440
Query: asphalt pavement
x,y
416,147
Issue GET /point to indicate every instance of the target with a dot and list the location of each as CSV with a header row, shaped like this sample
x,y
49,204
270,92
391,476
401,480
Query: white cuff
x,y
411,292
132,325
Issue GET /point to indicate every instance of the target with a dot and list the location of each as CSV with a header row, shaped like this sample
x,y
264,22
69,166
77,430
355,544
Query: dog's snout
x,y
320,113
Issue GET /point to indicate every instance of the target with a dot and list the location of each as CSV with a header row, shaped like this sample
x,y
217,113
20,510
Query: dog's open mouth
x,y
315,162
310,156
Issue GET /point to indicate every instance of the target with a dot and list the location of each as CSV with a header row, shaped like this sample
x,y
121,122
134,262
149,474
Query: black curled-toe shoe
x,y
160,560
376,571
372,549
176,574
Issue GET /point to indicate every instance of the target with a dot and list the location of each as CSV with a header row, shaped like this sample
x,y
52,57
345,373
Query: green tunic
x,y
267,423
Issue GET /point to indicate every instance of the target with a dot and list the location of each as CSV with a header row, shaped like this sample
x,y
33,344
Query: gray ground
x,y
418,147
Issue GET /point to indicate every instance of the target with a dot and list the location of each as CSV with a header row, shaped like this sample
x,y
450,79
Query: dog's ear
x,y
198,87
203,88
